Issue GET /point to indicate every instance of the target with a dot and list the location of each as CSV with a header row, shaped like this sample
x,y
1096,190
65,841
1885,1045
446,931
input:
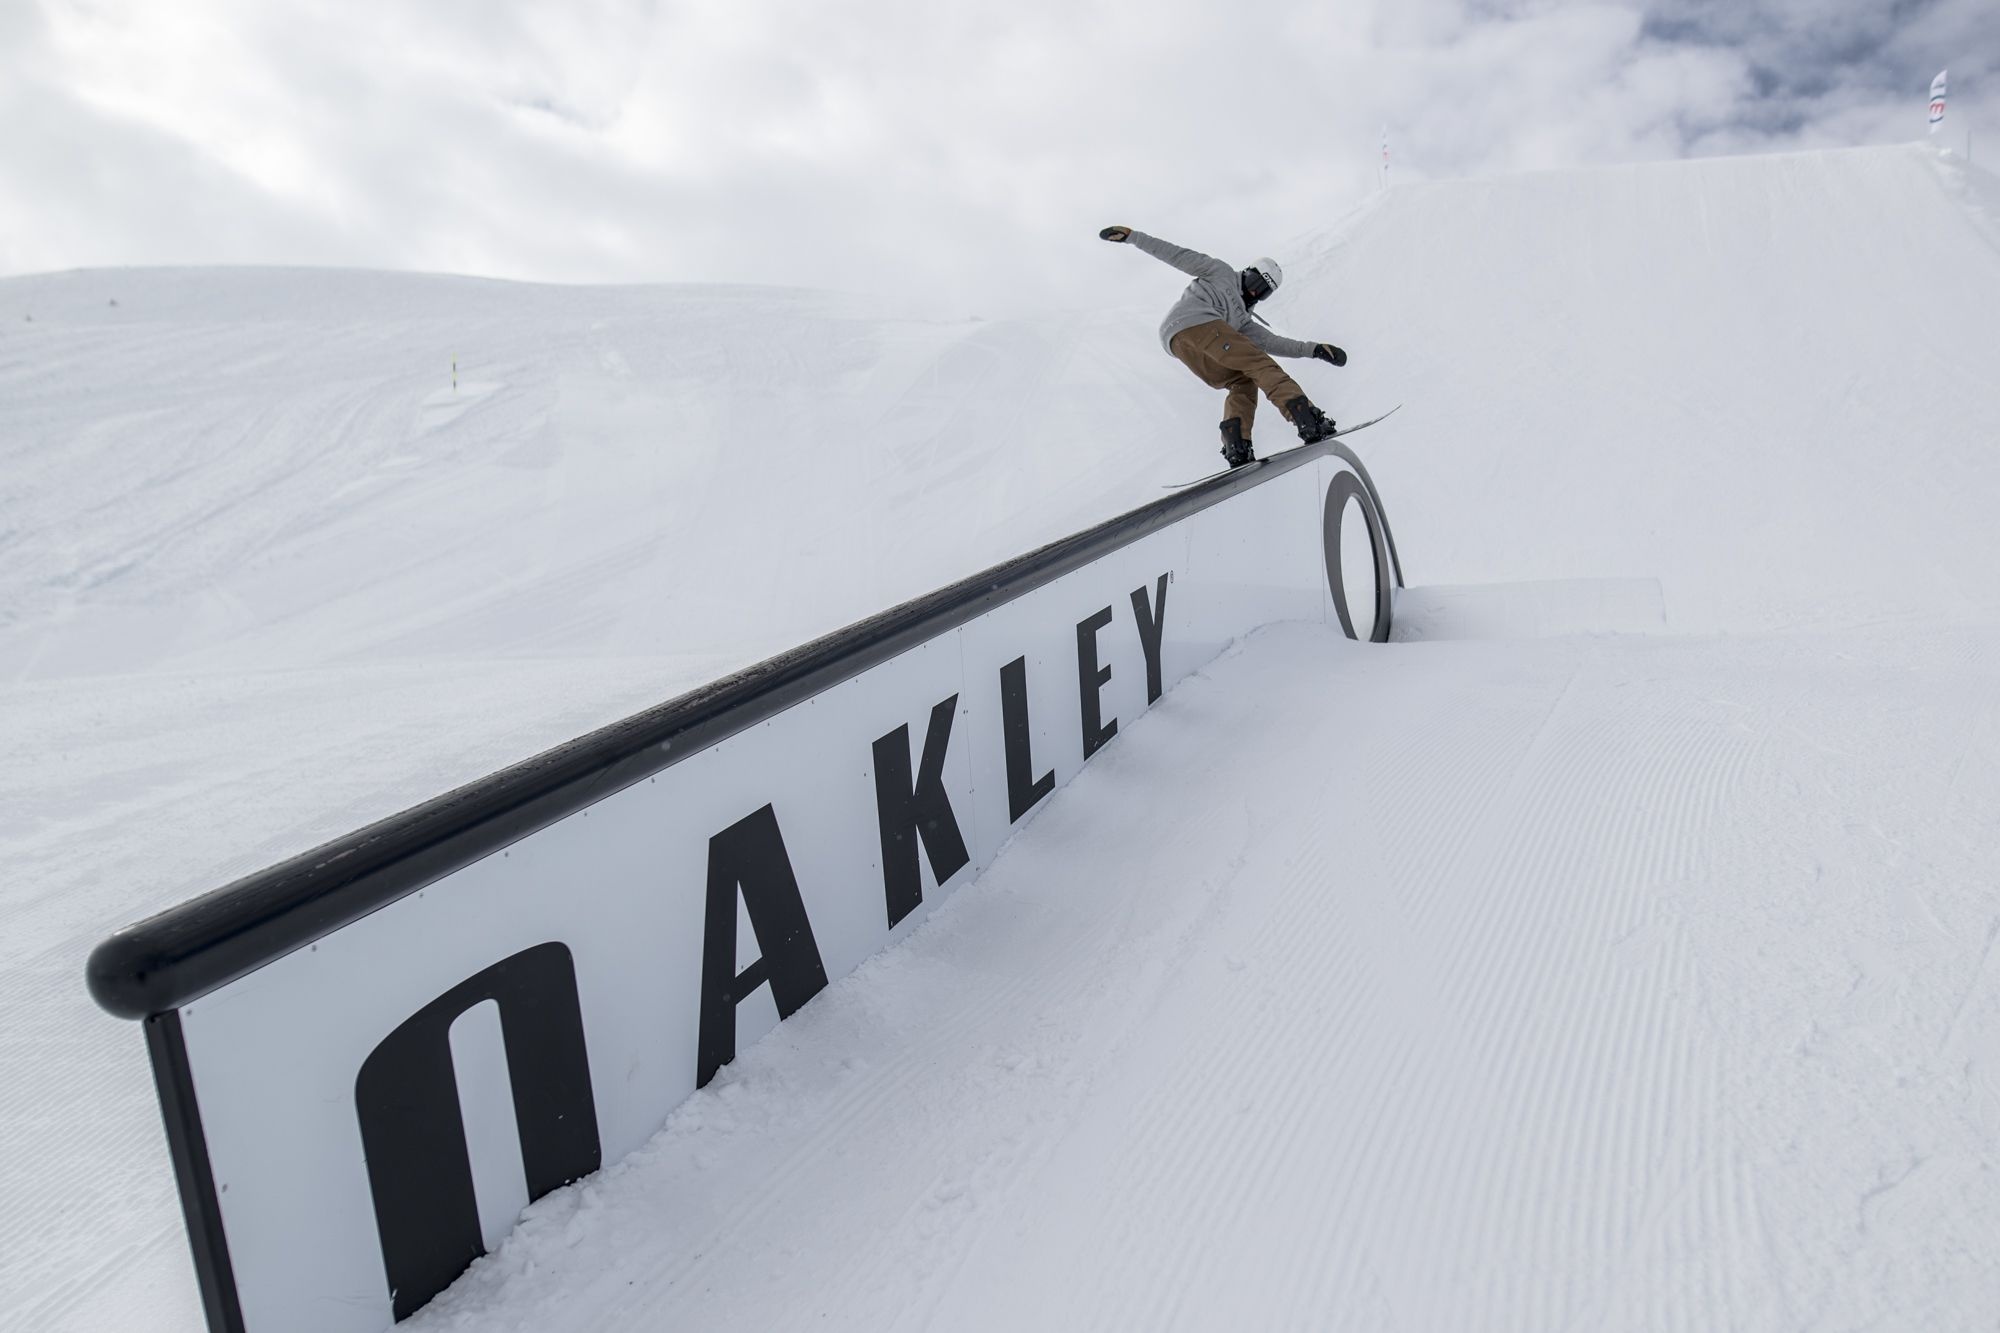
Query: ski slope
x,y
1615,952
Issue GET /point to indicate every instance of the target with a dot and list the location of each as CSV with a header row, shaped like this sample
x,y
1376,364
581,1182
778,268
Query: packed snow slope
x,y
1586,983
1594,981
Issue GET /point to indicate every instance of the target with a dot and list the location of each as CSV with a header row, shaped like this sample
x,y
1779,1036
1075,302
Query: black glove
x,y
1115,234
1330,354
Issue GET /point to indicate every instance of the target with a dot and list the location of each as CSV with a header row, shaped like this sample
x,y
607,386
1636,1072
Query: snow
x,y
1613,951
1581,982
1534,609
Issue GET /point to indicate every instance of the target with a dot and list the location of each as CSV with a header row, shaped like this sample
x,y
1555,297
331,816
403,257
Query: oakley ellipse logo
x,y
1346,486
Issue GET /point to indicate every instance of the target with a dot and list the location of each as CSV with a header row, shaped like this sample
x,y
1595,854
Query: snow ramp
x,y
372,1056
1521,975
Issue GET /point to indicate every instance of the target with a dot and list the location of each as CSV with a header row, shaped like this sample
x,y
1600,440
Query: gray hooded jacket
x,y
1216,293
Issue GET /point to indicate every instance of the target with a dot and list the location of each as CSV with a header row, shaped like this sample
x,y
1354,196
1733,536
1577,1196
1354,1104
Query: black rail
x,y
158,964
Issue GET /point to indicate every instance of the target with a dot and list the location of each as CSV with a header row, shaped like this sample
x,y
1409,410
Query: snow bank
x,y
1544,609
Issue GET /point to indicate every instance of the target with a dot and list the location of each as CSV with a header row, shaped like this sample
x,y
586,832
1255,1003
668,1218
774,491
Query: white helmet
x,y
1267,269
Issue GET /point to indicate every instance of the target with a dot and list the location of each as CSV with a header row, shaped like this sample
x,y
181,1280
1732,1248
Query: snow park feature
x,y
315,1028
1613,948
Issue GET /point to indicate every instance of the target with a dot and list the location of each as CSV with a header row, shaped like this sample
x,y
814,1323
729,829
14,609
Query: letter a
x,y
750,856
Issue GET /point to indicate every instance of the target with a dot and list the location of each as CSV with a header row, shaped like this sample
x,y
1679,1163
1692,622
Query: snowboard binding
x,y
1236,449
1313,425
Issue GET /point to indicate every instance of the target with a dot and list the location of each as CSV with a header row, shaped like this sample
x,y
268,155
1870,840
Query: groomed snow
x,y
1582,983
1633,980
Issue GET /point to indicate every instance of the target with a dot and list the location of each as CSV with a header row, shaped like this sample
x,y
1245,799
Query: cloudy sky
x,y
961,150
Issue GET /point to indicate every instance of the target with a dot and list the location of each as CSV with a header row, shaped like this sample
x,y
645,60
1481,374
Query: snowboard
x,y
1180,485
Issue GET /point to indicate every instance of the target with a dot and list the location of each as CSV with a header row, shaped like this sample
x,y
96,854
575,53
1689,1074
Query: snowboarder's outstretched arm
x,y
1277,344
1191,262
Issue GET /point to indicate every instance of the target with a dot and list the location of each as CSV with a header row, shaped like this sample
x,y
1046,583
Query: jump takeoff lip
x,y
608,923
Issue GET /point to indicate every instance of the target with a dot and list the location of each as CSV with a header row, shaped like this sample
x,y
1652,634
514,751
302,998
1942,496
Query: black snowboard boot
x,y
1235,448
1313,424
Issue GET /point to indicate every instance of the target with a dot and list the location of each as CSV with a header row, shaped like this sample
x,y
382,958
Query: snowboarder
x,y
1210,331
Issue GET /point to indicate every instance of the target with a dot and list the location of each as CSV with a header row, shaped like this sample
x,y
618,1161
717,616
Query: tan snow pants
x,y
1225,358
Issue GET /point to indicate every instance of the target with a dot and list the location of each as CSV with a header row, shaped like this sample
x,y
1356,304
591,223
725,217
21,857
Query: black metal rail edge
x,y
165,961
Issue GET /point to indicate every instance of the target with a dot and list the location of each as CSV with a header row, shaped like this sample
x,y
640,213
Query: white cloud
x,y
965,152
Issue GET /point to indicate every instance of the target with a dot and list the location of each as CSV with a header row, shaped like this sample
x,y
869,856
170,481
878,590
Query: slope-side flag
x,y
1937,100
